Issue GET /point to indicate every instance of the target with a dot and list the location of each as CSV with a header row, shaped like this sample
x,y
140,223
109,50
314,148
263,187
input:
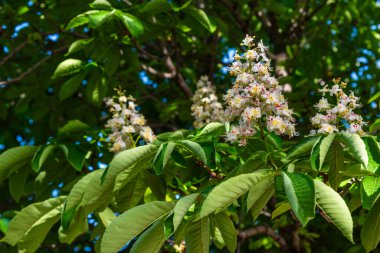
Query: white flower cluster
x,y
206,108
332,117
126,122
256,98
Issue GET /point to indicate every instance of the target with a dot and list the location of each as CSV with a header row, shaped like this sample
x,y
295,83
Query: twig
x,y
34,67
155,72
11,54
243,235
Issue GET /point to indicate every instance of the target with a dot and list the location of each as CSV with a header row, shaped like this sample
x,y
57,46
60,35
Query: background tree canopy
x,y
60,59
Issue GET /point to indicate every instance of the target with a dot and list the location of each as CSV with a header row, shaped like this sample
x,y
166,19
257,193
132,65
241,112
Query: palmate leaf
x,y
30,226
356,146
300,192
227,230
131,223
13,159
228,191
151,240
370,232
198,236
332,204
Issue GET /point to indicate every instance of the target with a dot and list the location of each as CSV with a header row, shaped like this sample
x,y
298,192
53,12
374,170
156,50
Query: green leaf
x,y
375,126
303,147
195,148
77,227
335,158
122,167
332,204
156,6
73,126
41,156
320,150
135,220
68,67
198,236
373,151
228,191
132,23
17,183
14,158
162,157
101,4
79,45
96,88
259,196
131,194
374,97
30,226
370,232
151,240
300,191
227,229
87,193
181,208
71,86
369,190
74,155
106,216
281,208
211,129
356,146
201,17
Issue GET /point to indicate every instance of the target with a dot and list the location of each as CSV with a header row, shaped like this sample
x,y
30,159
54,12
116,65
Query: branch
x,y
34,67
243,235
11,54
155,72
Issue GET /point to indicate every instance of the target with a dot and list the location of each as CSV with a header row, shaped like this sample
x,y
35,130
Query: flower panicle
x,y
126,122
338,116
256,101
206,108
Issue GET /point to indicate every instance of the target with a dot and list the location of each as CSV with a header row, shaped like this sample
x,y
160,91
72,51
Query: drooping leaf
x,y
162,157
227,230
369,190
77,227
195,148
101,4
373,151
281,208
198,236
320,150
156,6
335,158
332,204
135,220
151,240
68,67
41,156
300,191
74,155
356,146
132,23
259,196
201,17
31,219
106,216
370,232
181,208
17,183
71,86
228,191
14,158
